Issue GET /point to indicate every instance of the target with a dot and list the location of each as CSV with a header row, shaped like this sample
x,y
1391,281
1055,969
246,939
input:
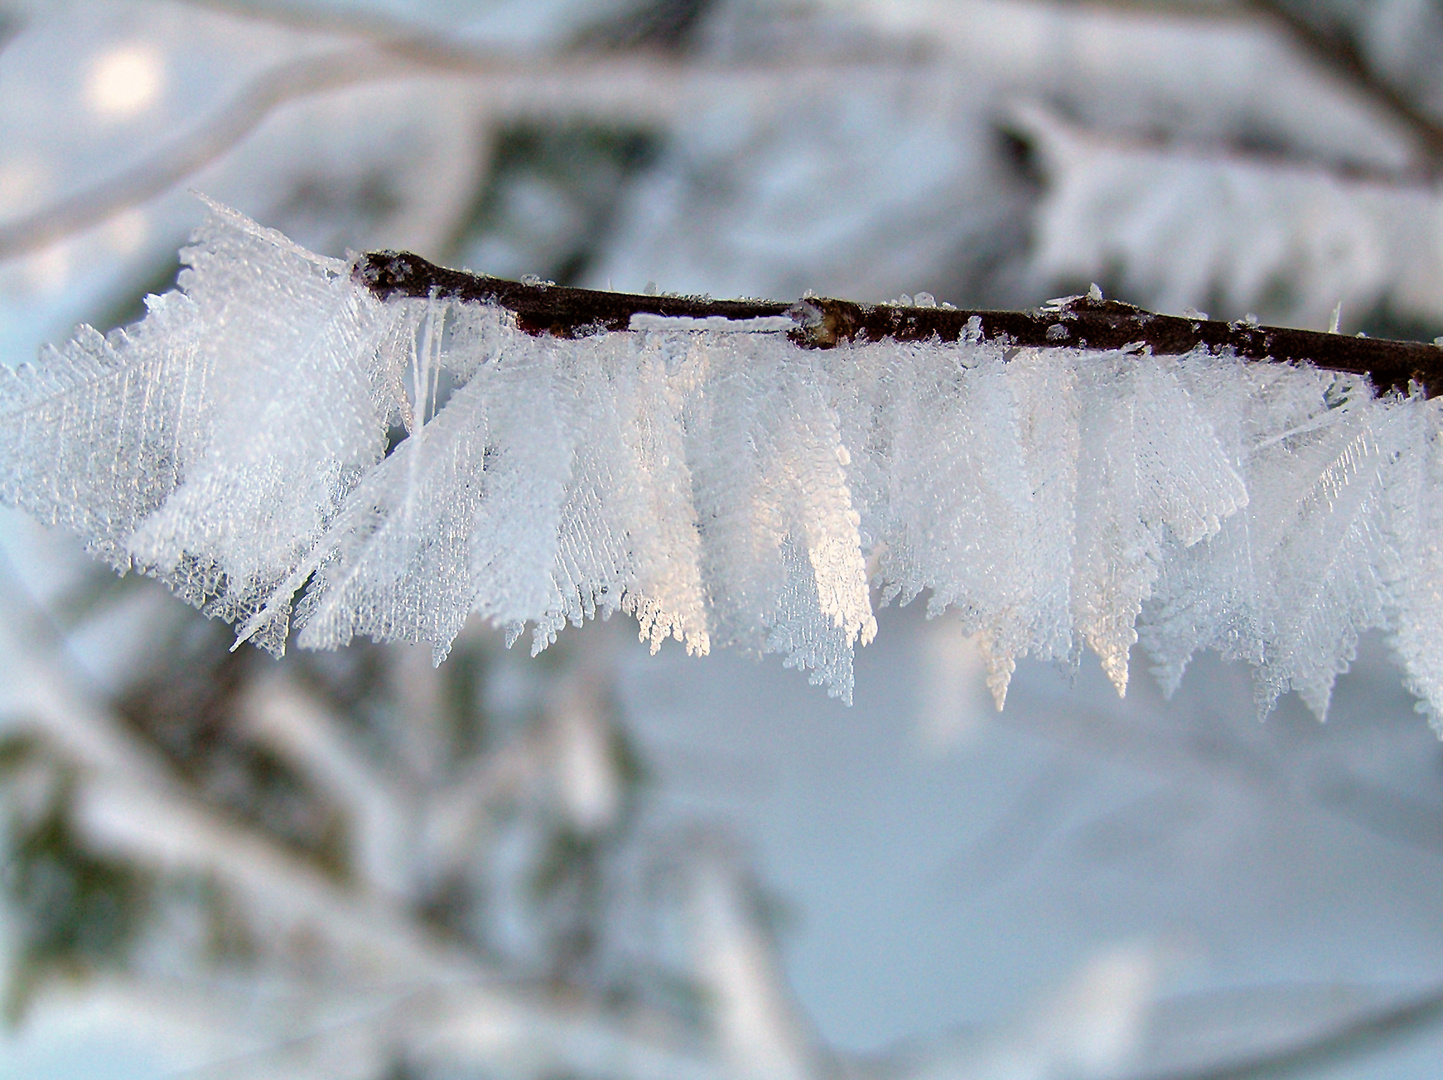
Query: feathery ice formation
x,y
274,426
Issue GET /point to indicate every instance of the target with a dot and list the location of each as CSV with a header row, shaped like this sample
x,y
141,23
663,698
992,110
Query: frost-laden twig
x,y
638,87
308,76
124,806
1348,1041
193,151
1081,322
1344,59
374,26
1062,479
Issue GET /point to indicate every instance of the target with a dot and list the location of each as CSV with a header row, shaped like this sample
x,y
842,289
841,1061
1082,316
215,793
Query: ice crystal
x,y
724,486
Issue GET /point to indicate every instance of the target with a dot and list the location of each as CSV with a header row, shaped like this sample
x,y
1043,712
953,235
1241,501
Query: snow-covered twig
x,y
635,88
1349,1041
1049,476
1343,57
192,151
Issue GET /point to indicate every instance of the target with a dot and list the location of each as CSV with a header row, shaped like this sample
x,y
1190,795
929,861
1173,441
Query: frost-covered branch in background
x,y
181,842
1344,58
254,948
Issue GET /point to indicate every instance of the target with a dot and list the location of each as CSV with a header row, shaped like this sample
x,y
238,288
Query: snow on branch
x,y
401,445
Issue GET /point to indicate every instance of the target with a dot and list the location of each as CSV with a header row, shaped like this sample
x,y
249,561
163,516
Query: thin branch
x,y
551,1035
369,24
1365,1035
648,87
544,307
190,153
1344,59
1089,322
306,77
129,800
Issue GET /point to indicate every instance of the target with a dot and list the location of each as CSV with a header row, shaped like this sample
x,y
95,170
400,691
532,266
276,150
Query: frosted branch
x,y
742,473
1343,59
1365,1035
192,151
637,88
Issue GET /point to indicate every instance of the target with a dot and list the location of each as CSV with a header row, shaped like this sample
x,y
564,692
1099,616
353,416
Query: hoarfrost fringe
x,y
404,445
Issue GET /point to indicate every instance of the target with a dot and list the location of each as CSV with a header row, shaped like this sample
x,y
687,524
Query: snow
x,y
726,488
1185,225
761,325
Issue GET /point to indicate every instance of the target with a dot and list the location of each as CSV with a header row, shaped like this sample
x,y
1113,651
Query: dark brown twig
x,y
544,307
820,323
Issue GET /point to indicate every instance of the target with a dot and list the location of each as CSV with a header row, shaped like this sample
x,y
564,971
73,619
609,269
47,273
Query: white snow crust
x,y
727,488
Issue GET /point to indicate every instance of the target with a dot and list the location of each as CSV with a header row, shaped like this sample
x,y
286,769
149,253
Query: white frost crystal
x,y
727,488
